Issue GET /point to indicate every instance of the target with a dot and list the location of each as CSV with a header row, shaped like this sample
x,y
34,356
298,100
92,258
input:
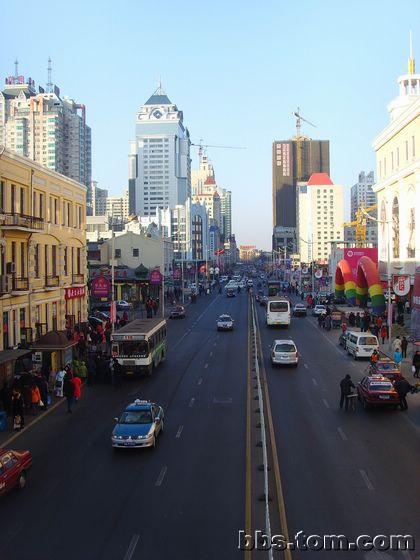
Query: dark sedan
x,y
178,312
14,466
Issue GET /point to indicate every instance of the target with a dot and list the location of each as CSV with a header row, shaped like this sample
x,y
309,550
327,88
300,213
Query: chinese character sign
x,y
73,293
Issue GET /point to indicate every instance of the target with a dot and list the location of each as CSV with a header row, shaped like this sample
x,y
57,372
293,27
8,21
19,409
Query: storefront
x,y
75,299
13,361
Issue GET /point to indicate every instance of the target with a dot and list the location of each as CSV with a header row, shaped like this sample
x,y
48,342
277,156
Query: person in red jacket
x,y
77,383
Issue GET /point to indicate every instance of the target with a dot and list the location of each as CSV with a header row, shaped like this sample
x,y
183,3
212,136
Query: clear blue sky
x,y
237,69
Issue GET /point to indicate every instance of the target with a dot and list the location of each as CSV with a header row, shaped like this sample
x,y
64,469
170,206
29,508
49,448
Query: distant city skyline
x,y
239,90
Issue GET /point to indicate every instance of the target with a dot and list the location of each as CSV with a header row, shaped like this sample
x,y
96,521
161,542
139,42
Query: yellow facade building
x,y
42,260
397,150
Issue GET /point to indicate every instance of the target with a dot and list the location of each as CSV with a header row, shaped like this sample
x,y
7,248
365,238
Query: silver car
x,y
225,323
284,352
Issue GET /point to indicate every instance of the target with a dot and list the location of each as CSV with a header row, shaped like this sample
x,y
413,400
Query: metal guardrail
x,y
263,429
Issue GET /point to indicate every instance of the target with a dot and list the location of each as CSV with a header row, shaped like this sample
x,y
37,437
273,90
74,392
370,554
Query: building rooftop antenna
x,y
411,61
16,69
49,82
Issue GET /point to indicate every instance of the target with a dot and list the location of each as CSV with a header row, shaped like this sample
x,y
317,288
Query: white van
x,y
361,344
278,312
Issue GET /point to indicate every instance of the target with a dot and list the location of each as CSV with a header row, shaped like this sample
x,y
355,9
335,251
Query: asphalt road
x,y
183,499
342,473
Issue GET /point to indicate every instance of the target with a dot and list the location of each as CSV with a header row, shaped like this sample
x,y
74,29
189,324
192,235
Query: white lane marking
x,y
211,354
161,476
342,434
327,405
192,401
200,381
132,547
314,381
326,337
306,366
181,339
206,366
179,432
195,323
366,479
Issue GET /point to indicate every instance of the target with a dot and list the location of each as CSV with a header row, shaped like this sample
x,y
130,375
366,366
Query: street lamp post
x,y
388,269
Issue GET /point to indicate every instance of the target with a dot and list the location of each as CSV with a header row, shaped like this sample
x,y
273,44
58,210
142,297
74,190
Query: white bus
x,y
140,345
278,312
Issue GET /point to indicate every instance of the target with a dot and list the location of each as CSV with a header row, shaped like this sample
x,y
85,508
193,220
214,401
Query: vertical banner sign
x,y
401,285
415,312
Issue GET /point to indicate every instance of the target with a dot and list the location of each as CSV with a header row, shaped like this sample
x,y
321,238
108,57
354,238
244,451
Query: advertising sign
x,y
401,284
352,256
305,270
318,273
155,277
73,293
415,314
100,287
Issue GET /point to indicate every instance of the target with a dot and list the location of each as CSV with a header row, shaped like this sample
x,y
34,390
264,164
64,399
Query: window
x,y
54,260
117,254
66,260
22,201
36,261
2,191
406,150
135,252
413,146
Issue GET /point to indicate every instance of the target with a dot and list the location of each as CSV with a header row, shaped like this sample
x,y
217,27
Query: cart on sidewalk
x,y
336,319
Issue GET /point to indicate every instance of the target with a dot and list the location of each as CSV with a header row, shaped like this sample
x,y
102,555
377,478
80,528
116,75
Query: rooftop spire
x,y
411,61
49,70
16,68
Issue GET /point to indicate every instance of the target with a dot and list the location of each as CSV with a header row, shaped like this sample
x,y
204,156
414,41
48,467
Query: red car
x,y
14,466
377,390
387,368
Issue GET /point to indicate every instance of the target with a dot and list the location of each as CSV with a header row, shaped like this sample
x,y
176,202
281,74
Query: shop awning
x,y
9,355
52,341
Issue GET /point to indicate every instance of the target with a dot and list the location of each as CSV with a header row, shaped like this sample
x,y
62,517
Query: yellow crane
x,y
360,222
299,139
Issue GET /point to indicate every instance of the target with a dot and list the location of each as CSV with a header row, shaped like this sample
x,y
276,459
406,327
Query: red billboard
x,y
100,287
353,255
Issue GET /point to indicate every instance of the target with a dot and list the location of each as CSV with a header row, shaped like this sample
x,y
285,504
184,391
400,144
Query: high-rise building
x,y
226,212
159,158
98,200
320,217
117,207
47,128
200,175
293,161
362,193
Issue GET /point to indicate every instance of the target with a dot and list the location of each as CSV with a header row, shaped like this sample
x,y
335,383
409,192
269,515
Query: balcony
x,y
78,279
5,284
21,222
20,284
52,281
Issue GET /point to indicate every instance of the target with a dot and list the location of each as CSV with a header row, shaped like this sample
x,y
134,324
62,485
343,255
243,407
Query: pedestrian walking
x,y
398,357
357,320
384,333
416,364
374,357
346,386
352,318
59,382
403,387
117,372
404,344
77,383
43,390
18,410
35,398
69,391
396,345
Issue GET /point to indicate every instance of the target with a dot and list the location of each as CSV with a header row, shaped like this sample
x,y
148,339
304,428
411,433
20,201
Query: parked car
x,y
387,368
230,292
123,305
377,390
342,340
178,312
14,466
263,301
360,344
299,310
138,426
284,352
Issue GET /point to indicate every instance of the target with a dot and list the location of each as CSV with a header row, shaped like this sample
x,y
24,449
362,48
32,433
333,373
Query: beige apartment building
x,y
42,260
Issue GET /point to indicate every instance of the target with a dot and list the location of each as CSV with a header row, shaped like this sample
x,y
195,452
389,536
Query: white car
x,y
223,279
319,310
225,323
284,352
250,283
123,305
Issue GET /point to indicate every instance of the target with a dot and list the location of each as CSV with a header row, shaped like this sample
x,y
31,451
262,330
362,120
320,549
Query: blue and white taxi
x,y
138,426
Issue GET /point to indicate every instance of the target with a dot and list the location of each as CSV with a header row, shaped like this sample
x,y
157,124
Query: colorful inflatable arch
x,y
344,282
368,283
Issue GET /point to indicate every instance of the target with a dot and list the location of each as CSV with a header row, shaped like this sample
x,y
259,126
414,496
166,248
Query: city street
x,y
183,499
342,473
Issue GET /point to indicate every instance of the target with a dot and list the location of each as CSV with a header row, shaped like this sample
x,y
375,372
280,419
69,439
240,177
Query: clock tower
x,y
159,158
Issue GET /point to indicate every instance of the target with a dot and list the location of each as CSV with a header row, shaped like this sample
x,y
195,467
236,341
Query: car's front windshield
x,y
225,318
136,417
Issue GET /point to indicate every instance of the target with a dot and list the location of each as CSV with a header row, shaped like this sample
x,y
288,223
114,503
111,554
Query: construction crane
x,y
360,222
201,146
299,138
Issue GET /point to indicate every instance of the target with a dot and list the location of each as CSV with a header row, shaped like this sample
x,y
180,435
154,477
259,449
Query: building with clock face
x,y
159,157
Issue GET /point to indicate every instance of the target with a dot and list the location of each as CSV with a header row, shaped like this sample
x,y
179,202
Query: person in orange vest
x,y
374,357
